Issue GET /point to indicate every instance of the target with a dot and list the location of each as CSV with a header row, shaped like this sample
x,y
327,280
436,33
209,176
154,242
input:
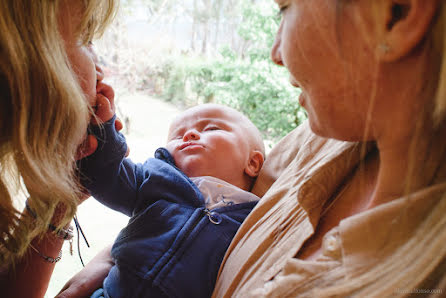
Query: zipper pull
x,y
214,217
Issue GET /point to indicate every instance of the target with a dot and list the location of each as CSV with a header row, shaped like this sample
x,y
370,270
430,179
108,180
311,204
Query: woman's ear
x,y
404,26
255,164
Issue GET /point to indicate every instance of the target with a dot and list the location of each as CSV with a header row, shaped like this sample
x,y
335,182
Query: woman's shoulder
x,y
300,143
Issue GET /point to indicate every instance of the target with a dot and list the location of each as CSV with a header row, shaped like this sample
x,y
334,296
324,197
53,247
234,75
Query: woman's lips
x,y
294,82
301,99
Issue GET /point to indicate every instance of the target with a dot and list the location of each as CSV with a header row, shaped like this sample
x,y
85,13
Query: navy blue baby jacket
x,y
172,245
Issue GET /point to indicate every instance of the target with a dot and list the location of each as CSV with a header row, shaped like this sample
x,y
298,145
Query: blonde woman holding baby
x,y
355,199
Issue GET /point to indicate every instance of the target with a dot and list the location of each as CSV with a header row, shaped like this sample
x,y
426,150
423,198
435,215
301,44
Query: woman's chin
x,y
318,127
315,128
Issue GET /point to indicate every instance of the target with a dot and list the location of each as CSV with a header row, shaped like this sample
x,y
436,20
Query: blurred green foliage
x,y
248,81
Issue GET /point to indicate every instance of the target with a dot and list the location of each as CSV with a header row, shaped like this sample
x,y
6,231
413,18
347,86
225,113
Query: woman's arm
x,y
86,281
30,276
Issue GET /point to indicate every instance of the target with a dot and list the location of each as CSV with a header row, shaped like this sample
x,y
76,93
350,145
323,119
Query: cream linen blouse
x,y
306,170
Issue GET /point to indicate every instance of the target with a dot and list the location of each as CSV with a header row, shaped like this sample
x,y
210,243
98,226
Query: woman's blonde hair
x,y
43,116
439,48
420,264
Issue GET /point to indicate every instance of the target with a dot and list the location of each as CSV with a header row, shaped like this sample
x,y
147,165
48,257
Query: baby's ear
x,y
255,164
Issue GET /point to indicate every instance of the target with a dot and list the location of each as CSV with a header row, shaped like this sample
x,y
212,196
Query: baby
x,y
185,204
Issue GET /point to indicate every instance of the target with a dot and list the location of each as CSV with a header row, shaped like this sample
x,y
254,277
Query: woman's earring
x,y
384,48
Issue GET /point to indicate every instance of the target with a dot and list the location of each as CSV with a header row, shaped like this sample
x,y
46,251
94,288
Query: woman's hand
x,y
89,279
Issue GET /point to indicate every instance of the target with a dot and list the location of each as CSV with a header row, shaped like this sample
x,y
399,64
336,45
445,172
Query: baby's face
x,y
209,140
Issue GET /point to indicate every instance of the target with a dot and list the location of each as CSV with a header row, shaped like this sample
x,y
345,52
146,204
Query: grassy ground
x,y
147,130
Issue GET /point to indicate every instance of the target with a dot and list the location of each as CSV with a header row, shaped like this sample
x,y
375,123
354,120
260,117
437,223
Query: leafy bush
x,y
248,81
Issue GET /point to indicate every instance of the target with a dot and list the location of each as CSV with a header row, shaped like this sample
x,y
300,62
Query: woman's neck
x,y
409,164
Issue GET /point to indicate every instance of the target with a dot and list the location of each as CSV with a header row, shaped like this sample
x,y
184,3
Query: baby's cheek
x,y
176,159
175,154
170,146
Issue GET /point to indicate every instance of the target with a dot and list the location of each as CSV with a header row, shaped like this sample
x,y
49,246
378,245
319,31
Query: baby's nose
x,y
191,134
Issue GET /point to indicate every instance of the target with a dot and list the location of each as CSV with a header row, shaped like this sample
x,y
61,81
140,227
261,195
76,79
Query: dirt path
x,y
147,130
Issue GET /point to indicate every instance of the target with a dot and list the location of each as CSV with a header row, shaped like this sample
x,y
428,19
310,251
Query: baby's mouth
x,y
188,144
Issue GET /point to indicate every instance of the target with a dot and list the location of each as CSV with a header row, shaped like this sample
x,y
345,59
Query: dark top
x,y
172,245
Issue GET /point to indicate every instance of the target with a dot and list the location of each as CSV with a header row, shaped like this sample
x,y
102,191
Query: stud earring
x,y
384,48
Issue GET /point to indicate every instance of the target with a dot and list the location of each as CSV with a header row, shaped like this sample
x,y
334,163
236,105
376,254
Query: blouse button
x,y
331,246
331,243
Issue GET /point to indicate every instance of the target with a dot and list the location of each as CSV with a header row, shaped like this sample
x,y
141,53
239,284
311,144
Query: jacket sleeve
x,y
109,177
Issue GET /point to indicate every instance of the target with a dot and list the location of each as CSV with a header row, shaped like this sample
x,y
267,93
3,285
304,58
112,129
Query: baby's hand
x,y
104,111
105,104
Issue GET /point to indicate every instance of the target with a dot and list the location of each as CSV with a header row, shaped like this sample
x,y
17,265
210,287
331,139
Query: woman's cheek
x,y
91,98
85,71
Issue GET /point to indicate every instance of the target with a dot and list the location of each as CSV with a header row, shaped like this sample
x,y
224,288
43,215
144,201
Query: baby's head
x,y
218,141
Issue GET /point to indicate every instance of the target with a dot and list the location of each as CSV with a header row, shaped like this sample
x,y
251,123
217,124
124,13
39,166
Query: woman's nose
x,y
276,54
191,134
95,59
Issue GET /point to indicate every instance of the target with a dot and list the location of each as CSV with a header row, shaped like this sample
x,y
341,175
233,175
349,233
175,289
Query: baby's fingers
x,y
104,110
118,124
106,90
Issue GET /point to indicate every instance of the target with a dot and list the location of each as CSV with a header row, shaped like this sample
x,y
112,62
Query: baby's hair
x,y
257,137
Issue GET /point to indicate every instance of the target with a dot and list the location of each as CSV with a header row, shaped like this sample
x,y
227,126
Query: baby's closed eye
x,y
211,127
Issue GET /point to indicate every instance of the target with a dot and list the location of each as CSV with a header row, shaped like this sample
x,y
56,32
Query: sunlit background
x,y
162,56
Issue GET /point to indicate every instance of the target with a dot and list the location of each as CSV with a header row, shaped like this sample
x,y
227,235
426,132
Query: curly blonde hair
x,y
43,117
